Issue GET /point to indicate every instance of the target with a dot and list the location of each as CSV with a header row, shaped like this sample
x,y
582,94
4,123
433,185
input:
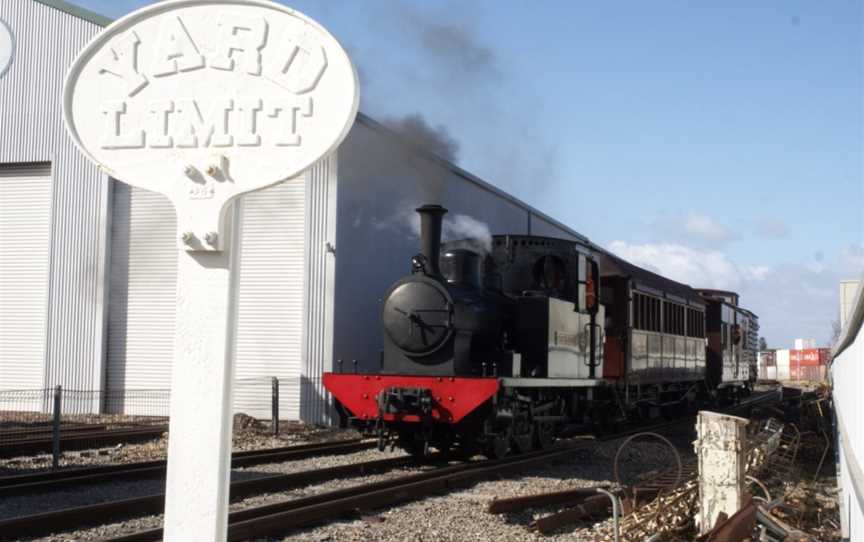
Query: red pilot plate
x,y
453,398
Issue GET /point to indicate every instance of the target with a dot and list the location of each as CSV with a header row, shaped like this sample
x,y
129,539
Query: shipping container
x,y
814,373
768,358
809,357
771,373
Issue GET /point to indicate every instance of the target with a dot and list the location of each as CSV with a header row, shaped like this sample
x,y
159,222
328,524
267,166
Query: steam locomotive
x,y
506,349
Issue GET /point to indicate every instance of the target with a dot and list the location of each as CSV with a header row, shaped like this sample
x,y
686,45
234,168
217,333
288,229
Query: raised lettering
x,y
287,110
158,136
238,33
175,51
248,109
196,130
121,60
299,63
112,134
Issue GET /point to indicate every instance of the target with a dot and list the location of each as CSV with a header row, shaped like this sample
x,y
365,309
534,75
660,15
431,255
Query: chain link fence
x,y
57,420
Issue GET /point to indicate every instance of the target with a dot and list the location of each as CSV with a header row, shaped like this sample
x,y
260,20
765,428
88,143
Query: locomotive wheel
x,y
544,435
497,445
523,443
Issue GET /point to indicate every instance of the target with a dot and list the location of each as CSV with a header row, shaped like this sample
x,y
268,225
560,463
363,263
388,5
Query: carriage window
x,y
646,312
673,318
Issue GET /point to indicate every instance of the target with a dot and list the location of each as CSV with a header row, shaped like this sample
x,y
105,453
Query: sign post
x,y
203,101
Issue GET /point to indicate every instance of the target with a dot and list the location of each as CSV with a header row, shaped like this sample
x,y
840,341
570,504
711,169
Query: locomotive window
x,y
550,273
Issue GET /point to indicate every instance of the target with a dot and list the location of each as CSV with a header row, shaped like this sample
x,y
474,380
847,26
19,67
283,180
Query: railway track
x,y
77,439
83,516
22,484
283,516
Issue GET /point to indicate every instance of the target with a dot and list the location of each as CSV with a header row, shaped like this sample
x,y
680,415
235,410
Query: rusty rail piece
x,y
21,484
570,497
283,516
69,519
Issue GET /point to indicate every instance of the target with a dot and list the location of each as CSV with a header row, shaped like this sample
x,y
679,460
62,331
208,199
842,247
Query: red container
x,y
809,357
814,373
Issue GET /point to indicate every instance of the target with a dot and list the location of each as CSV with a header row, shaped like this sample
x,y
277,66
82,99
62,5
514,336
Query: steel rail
x,y
282,516
67,519
75,439
47,481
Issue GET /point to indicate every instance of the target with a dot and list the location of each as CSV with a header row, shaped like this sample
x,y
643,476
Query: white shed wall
x,y
31,131
847,374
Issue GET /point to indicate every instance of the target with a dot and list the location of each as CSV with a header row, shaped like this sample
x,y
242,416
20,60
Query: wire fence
x,y
57,420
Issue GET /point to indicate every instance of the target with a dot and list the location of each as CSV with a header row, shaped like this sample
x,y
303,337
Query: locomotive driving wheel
x,y
498,444
544,435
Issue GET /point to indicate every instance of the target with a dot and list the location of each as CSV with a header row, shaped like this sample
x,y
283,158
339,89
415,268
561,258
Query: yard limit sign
x,y
202,101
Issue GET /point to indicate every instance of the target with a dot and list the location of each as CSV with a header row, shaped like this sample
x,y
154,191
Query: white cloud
x,y
698,267
798,298
852,260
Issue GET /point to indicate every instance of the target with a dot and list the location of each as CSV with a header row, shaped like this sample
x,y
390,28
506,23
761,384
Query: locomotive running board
x,y
512,382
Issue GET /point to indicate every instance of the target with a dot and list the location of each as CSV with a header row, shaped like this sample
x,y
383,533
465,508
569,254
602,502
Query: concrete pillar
x,y
721,448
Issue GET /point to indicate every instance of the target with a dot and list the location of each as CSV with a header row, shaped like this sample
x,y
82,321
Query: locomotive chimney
x,y
431,217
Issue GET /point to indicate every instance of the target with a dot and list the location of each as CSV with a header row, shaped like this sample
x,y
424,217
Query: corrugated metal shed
x,y
31,131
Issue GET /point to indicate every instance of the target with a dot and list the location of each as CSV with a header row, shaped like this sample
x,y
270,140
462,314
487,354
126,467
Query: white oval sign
x,y
7,47
204,100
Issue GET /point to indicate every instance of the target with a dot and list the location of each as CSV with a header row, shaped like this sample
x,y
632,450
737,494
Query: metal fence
x,y
56,420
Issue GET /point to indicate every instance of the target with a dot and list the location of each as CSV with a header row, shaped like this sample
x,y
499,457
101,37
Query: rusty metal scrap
x,y
593,507
569,497
735,528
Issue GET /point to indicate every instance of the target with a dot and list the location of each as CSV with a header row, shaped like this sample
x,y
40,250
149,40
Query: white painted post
x,y
721,448
202,380
203,101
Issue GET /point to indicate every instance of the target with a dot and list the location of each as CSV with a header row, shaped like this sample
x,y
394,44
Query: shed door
x,y
270,299
142,300
25,224
269,306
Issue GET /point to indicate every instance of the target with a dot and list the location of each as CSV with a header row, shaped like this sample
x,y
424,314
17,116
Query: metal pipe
x,y
614,500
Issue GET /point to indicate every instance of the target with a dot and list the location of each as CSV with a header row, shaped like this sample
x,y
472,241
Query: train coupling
x,y
401,401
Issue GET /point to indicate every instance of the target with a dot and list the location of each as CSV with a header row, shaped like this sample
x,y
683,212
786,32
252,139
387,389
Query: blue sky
x,y
719,143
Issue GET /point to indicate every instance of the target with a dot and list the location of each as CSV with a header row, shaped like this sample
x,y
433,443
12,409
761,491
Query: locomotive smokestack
x,y
431,217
